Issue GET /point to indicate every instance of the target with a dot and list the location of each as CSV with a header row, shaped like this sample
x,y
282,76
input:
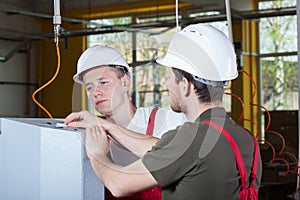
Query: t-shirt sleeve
x,y
172,156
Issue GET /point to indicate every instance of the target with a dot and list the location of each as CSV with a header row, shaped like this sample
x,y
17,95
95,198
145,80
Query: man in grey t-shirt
x,y
194,161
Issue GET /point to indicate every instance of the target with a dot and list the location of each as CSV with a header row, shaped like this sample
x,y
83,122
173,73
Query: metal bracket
x,y
15,50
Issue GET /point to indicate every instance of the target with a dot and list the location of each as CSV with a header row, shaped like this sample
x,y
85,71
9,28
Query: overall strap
x,y
238,157
255,162
151,121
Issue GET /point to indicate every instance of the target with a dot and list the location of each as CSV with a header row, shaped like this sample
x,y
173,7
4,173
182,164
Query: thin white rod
x,y
57,17
56,7
229,22
177,20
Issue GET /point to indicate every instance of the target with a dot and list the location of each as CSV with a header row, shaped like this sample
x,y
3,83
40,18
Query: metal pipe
x,y
256,14
56,21
177,17
18,83
28,79
229,21
14,51
66,19
57,8
139,27
298,35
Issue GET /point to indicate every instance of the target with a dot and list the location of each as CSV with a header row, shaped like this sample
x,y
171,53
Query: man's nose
x,y
98,91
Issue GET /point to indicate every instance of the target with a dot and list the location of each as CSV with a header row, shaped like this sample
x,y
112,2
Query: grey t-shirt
x,y
195,161
165,120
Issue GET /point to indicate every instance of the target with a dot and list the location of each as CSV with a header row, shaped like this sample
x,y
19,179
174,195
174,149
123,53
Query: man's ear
x,y
185,87
126,82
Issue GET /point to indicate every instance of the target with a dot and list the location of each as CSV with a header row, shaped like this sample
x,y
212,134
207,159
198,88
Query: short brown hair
x,y
206,93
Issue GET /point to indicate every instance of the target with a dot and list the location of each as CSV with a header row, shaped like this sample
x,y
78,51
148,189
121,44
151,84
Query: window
x,y
149,77
278,58
280,82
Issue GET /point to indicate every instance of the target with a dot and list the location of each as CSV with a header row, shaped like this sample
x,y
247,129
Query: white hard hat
x,y
202,51
99,55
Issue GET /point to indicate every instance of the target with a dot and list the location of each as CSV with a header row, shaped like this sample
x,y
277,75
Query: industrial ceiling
x,y
46,6
81,11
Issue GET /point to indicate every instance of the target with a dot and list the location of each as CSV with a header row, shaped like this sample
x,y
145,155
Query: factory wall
x,y
18,64
26,65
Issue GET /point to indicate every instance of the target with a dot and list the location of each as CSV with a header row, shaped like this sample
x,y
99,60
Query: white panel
x,y
43,162
19,155
61,164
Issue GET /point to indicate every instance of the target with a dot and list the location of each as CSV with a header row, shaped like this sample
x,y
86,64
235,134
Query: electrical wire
x,y
241,101
275,155
267,131
48,83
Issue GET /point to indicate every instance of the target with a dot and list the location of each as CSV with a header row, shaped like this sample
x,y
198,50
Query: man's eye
x,y
88,89
103,82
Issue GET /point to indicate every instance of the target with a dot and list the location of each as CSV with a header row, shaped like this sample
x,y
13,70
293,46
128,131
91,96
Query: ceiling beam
x,y
101,29
127,9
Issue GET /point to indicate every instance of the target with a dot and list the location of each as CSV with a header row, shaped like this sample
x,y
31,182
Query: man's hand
x,y
97,142
120,180
135,142
81,119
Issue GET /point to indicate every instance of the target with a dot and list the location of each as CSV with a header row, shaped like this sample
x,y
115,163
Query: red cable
x,y
267,131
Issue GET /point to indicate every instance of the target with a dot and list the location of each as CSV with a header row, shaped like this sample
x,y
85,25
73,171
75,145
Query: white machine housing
x,y
42,161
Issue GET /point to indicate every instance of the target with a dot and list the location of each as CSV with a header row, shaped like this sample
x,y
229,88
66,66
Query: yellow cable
x,y
48,83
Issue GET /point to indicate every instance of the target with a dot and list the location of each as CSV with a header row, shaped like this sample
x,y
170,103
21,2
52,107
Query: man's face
x,y
105,89
173,91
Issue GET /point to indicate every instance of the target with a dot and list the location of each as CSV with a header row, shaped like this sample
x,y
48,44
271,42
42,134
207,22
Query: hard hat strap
x,y
124,69
211,83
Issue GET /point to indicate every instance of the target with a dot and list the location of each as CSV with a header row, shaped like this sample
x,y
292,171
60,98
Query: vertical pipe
x,y
156,92
298,40
261,128
56,8
177,20
28,80
229,21
135,97
56,17
56,21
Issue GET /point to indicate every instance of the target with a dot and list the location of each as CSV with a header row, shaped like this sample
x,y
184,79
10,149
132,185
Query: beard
x,y
176,106
175,102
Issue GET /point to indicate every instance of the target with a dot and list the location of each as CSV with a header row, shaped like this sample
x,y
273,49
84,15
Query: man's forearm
x,y
122,181
105,171
137,143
